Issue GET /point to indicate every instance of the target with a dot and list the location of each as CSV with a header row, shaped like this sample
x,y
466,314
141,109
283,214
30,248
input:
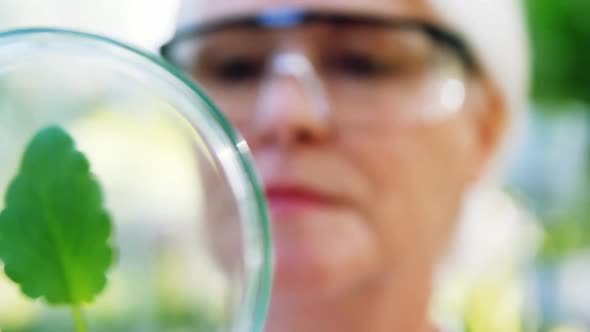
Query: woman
x,y
369,121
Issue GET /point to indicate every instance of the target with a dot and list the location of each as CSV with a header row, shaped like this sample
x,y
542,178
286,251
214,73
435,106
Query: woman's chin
x,y
322,254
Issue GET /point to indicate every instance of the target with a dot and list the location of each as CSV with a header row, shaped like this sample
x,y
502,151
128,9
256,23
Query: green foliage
x,y
568,232
560,35
54,232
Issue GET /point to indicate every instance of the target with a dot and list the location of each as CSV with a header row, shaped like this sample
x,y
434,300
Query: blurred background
x,y
549,180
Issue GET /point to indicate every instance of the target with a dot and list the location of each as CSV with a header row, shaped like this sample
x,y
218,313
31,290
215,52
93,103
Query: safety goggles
x,y
360,70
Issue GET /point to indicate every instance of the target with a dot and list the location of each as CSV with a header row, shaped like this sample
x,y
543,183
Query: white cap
x,y
495,30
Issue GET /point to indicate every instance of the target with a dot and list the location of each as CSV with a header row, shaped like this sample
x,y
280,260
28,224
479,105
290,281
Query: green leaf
x,y
54,232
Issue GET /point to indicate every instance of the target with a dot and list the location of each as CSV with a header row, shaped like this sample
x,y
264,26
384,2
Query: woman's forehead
x,y
198,10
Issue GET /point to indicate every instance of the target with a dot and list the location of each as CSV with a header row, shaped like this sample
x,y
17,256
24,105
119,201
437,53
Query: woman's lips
x,y
290,200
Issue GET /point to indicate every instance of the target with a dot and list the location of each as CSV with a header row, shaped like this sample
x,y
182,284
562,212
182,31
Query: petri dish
x,y
127,201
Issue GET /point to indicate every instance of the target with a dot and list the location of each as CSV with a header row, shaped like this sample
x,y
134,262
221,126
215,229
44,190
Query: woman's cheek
x,y
414,196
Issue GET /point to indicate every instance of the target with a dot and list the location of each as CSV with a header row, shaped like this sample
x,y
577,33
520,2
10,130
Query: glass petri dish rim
x,y
258,288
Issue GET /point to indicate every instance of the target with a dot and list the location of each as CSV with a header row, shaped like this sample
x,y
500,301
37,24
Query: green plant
x,y
560,32
54,232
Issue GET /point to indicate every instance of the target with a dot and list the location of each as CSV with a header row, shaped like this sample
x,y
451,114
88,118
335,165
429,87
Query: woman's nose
x,y
292,107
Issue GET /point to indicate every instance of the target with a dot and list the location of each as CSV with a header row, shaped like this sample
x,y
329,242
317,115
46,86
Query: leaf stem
x,y
79,319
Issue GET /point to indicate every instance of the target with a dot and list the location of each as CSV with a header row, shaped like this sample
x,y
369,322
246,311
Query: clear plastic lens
x,y
189,231
406,76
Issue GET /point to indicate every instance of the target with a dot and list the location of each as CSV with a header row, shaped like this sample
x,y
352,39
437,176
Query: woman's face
x,y
354,205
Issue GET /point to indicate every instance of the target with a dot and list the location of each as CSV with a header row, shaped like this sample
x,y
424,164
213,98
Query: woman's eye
x,y
361,66
238,70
